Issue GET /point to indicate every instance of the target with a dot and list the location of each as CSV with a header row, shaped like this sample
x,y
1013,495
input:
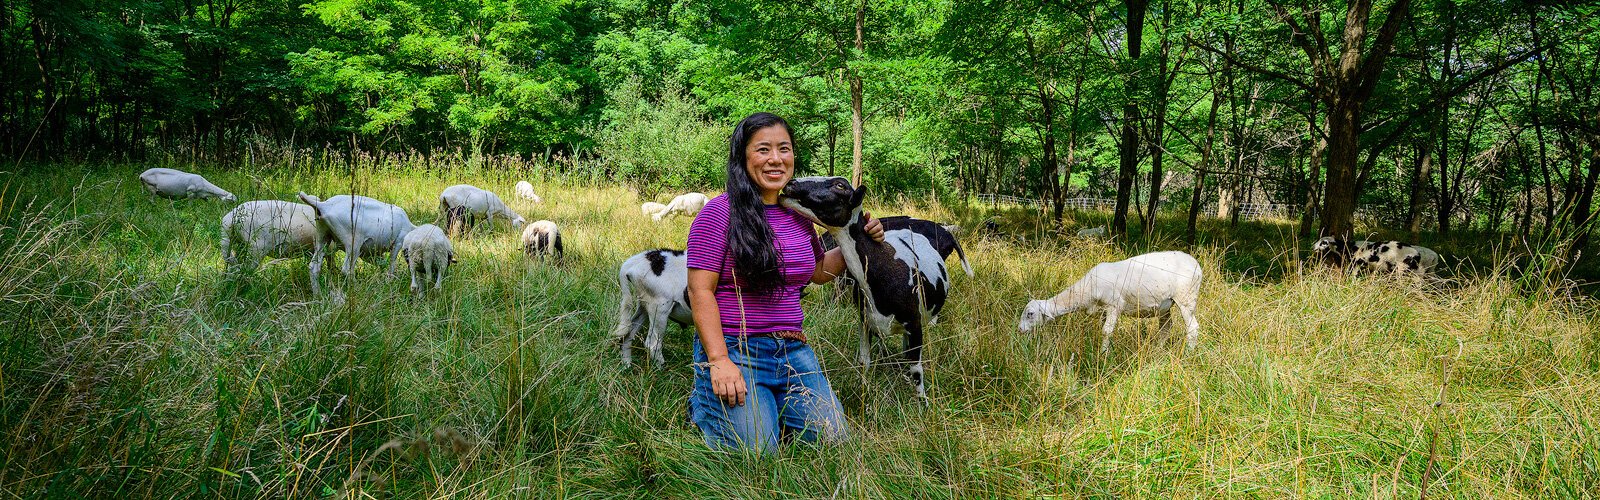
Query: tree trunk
x,y
1421,174
1129,165
1339,206
856,120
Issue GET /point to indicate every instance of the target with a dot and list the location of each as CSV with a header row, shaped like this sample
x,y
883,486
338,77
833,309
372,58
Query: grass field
x,y
132,367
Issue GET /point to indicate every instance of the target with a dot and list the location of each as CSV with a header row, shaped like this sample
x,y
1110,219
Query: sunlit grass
x,y
132,367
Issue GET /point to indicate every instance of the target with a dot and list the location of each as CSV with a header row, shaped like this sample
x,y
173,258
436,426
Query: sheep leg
x,y
352,251
864,351
658,327
1193,337
913,355
394,259
1105,331
438,276
416,269
629,319
319,253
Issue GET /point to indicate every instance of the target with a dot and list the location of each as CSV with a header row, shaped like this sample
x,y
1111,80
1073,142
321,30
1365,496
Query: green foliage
x,y
661,143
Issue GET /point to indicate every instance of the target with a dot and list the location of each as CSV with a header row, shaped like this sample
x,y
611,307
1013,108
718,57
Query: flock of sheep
x,y
900,292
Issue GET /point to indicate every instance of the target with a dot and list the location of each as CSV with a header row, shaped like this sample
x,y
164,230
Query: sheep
x,y
655,287
1395,257
687,204
1140,286
428,254
524,190
177,184
1092,232
364,227
541,238
271,228
463,204
652,208
902,281
1377,256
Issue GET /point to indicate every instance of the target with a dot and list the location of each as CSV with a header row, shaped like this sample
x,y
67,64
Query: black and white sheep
x,y
686,204
1376,256
177,184
903,281
428,254
655,288
271,228
364,227
542,238
464,204
1159,283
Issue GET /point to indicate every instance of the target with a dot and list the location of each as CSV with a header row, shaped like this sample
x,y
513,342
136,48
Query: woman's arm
x,y
726,380
832,263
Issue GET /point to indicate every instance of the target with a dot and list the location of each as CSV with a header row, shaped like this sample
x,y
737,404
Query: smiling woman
x,y
756,379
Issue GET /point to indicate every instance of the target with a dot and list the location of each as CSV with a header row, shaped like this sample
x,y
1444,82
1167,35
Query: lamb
x,y
687,204
1092,232
427,253
525,191
463,204
1141,286
177,184
541,238
364,227
902,280
655,287
652,208
271,228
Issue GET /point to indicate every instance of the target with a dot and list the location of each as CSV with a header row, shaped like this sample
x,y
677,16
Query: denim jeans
x,y
788,398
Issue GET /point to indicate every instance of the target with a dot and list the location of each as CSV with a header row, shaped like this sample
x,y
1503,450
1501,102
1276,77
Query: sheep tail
x,y
315,202
963,256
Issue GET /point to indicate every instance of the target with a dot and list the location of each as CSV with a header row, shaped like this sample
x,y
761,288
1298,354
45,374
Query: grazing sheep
x,y
902,280
1092,232
525,191
1336,251
271,228
540,239
427,253
1395,257
463,204
655,287
652,208
1141,286
364,227
687,204
177,184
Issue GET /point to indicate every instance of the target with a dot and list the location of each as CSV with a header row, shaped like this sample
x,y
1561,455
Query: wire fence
x,y
1245,210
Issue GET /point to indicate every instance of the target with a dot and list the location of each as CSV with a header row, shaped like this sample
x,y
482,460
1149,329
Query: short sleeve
x,y
708,236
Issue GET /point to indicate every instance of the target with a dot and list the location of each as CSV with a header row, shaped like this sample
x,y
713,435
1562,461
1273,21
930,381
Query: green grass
x,y
132,367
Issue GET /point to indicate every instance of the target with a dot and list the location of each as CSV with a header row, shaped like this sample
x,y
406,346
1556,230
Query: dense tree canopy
x,y
1411,114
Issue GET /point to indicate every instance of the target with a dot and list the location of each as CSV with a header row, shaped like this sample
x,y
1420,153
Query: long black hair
x,y
755,258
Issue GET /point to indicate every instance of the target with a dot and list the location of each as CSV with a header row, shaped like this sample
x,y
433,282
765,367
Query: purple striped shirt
x,y
798,249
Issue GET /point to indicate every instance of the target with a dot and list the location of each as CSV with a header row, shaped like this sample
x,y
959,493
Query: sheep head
x,y
829,201
1036,313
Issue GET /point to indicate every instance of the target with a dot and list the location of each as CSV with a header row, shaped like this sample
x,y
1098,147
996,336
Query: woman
x,y
756,380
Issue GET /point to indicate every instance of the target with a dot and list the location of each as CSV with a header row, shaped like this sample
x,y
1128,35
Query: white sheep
x,y
364,227
525,191
1092,232
177,184
465,204
271,228
428,254
542,238
655,288
687,204
1141,286
652,208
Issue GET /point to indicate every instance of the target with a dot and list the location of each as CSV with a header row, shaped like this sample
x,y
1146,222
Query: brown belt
x,y
783,334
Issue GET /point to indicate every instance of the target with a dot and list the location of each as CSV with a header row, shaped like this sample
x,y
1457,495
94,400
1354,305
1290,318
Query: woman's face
x,y
769,159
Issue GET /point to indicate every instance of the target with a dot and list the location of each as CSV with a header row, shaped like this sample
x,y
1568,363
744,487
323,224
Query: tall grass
x,y
131,366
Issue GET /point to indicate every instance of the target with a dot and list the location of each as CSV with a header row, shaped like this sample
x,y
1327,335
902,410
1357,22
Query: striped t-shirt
x,y
798,251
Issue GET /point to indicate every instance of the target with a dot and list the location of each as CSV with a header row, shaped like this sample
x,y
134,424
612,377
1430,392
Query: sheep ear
x,y
452,257
860,194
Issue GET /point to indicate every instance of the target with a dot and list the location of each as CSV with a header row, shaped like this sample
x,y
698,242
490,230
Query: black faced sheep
x,y
903,281
463,205
655,288
428,254
1149,284
364,227
177,184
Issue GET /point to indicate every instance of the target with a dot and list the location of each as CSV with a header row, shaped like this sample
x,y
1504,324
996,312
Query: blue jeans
x,y
789,397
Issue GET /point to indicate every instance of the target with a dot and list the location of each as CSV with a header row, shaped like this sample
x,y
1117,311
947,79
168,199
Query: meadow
x,y
132,367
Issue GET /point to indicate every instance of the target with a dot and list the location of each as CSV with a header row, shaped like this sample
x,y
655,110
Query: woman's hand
x,y
872,227
726,381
